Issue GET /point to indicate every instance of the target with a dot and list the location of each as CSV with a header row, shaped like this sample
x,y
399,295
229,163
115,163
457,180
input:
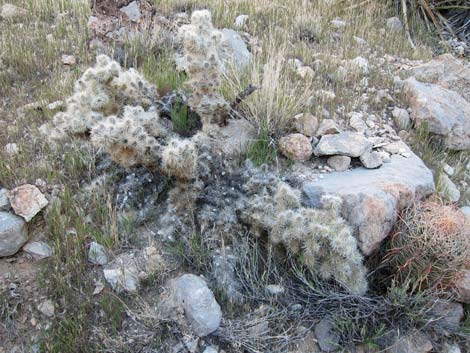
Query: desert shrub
x,y
444,15
430,246
320,238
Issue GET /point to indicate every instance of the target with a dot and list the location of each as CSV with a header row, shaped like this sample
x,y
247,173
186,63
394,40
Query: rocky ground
x,y
169,186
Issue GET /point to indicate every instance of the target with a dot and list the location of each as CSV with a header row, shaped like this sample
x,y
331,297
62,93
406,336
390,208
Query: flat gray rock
x,y
372,197
13,234
328,339
350,144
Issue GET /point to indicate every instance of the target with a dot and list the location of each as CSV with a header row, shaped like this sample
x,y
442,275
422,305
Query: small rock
x,y
132,11
450,348
236,53
191,294
359,41
328,340
415,342
68,60
338,24
11,149
305,72
125,272
11,12
448,189
350,144
401,118
27,201
296,147
4,202
325,95
327,127
466,210
358,66
339,163
394,24
97,254
306,124
385,156
382,95
47,308
13,234
241,21
275,289
448,169
462,287
210,349
38,249
371,160
357,123
450,314
56,105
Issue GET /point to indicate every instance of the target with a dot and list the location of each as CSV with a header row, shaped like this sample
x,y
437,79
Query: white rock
x,y
241,20
448,169
338,24
401,118
97,254
327,127
371,160
394,24
350,144
68,60
132,11
357,123
306,72
4,202
448,189
47,308
306,124
275,289
13,234
358,66
339,163
466,210
236,54
38,249
210,349
11,149
12,12
191,294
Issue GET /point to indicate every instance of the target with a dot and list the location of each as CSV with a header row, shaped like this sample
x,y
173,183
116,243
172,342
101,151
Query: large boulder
x,y
13,234
447,71
373,197
444,112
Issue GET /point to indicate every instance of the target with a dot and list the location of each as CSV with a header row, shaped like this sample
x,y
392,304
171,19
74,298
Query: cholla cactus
x,y
320,237
132,138
103,90
201,43
180,159
116,107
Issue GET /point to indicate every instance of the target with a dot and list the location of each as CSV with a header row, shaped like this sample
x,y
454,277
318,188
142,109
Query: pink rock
x,y
296,147
27,201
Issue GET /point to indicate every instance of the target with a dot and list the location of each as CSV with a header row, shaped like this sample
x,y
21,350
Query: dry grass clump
x,y
430,246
